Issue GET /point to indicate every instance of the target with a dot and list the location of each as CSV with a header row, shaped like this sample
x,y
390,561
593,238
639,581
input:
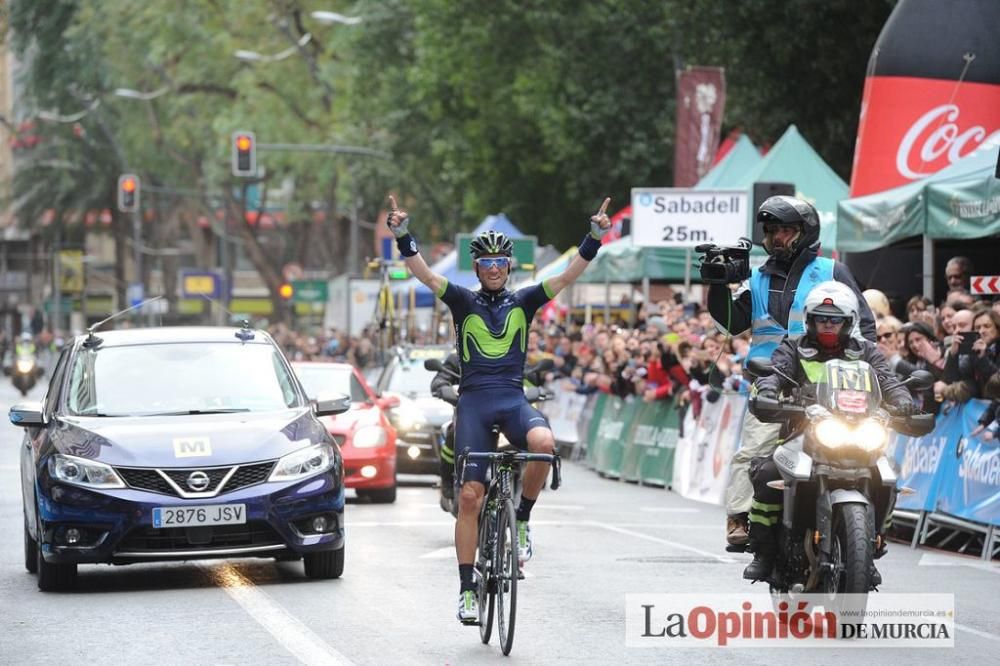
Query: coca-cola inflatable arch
x,y
932,91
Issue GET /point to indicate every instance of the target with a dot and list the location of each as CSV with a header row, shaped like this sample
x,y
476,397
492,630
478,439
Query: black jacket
x,y
735,314
789,353
442,379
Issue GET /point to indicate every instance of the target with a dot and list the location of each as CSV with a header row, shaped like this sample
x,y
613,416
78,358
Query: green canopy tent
x,y
961,201
791,159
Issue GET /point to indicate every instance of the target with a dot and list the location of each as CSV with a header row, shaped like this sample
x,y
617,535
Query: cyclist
x,y
491,335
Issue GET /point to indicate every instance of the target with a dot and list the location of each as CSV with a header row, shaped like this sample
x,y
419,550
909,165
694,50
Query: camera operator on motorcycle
x,y
491,335
770,302
831,314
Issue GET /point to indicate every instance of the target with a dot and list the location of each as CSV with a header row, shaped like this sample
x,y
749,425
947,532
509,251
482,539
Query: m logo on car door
x,y
192,447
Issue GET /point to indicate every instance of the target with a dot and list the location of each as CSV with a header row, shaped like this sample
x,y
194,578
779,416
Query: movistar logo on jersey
x,y
475,330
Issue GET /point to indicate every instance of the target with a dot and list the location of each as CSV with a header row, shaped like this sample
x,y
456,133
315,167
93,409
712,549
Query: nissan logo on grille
x,y
198,481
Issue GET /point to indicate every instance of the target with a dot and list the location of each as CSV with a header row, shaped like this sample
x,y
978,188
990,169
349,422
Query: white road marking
x,y
439,554
668,509
673,544
942,560
293,635
559,523
560,507
977,632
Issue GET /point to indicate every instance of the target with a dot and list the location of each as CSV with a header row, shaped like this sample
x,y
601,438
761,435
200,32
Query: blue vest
x,y
765,332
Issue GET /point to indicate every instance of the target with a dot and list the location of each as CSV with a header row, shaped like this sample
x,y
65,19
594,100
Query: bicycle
x,y
497,569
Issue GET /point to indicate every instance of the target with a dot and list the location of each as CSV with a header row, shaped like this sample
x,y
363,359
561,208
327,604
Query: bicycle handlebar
x,y
514,457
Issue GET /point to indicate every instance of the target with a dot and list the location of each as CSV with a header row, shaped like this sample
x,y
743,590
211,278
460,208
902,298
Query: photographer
x,y
770,302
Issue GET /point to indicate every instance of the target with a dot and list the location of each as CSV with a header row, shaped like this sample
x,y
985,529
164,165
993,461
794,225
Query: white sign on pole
x,y
677,217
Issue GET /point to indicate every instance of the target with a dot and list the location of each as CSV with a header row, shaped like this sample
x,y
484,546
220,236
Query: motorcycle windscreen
x,y
851,387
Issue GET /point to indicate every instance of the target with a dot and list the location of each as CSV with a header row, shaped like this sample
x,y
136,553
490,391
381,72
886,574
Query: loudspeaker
x,y
761,192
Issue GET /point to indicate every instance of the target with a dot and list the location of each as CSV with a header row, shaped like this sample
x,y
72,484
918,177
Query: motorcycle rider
x,y
447,378
771,305
25,346
831,314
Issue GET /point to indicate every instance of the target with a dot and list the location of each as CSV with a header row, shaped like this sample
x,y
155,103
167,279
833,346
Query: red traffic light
x,y
244,155
286,291
128,193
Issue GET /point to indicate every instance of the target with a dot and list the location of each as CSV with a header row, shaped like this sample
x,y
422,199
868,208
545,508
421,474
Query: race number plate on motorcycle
x,y
191,516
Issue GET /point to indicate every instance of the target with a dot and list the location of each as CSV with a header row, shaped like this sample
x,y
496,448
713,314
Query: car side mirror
x,y
329,404
388,401
27,415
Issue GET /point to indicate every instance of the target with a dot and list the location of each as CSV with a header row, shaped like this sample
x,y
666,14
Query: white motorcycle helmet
x,y
833,299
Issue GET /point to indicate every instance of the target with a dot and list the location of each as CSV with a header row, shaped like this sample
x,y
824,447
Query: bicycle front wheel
x,y
506,572
486,582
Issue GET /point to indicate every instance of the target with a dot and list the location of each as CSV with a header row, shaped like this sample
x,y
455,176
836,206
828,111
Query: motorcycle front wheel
x,y
853,559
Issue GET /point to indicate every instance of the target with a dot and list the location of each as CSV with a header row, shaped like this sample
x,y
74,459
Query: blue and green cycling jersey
x,y
491,332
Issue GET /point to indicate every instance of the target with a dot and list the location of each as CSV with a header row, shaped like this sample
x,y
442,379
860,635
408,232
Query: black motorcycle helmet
x,y
787,210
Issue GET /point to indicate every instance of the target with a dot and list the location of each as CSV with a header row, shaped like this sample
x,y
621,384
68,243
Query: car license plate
x,y
206,514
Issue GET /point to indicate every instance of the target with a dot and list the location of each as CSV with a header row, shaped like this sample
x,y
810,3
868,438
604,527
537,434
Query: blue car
x,y
178,444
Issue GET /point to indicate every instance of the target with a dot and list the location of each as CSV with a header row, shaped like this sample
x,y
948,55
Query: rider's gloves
x,y
401,229
906,408
767,393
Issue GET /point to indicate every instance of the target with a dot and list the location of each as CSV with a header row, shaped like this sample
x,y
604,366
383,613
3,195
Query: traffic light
x,y
286,291
244,155
128,193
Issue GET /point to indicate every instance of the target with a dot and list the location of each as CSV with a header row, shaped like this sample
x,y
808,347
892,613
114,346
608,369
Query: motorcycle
x,y
836,480
24,373
533,377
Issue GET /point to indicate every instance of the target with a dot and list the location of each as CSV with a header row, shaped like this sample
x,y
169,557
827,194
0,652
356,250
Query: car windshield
x,y
410,378
179,378
323,378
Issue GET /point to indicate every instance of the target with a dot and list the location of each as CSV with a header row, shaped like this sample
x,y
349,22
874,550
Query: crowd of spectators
x,y
958,342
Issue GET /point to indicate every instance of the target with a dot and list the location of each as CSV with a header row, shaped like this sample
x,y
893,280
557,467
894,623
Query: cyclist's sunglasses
x,y
828,319
493,262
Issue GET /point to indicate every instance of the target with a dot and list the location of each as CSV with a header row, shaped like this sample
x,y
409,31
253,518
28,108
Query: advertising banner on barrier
x,y
710,444
608,457
924,461
563,412
657,441
593,427
972,491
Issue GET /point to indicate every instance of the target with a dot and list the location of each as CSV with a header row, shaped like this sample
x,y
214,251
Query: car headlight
x,y
410,417
305,462
369,437
871,436
832,433
83,472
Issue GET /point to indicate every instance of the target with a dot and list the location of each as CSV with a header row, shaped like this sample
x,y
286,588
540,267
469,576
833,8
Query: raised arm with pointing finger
x,y
491,332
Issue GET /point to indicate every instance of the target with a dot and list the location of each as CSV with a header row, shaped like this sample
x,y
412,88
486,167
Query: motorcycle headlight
x,y
24,367
369,437
305,462
871,436
83,472
832,433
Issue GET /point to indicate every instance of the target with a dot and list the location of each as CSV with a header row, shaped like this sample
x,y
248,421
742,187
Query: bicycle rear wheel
x,y
506,572
486,585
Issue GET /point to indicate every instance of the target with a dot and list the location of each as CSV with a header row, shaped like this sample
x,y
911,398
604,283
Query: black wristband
x,y
589,247
407,245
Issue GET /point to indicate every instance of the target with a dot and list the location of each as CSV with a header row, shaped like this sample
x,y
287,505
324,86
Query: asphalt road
x,y
595,541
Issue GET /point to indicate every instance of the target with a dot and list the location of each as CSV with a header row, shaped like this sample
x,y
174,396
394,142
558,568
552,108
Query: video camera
x,y
725,265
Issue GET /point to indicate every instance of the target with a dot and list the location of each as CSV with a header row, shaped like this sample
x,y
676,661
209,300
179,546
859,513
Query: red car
x,y
369,441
